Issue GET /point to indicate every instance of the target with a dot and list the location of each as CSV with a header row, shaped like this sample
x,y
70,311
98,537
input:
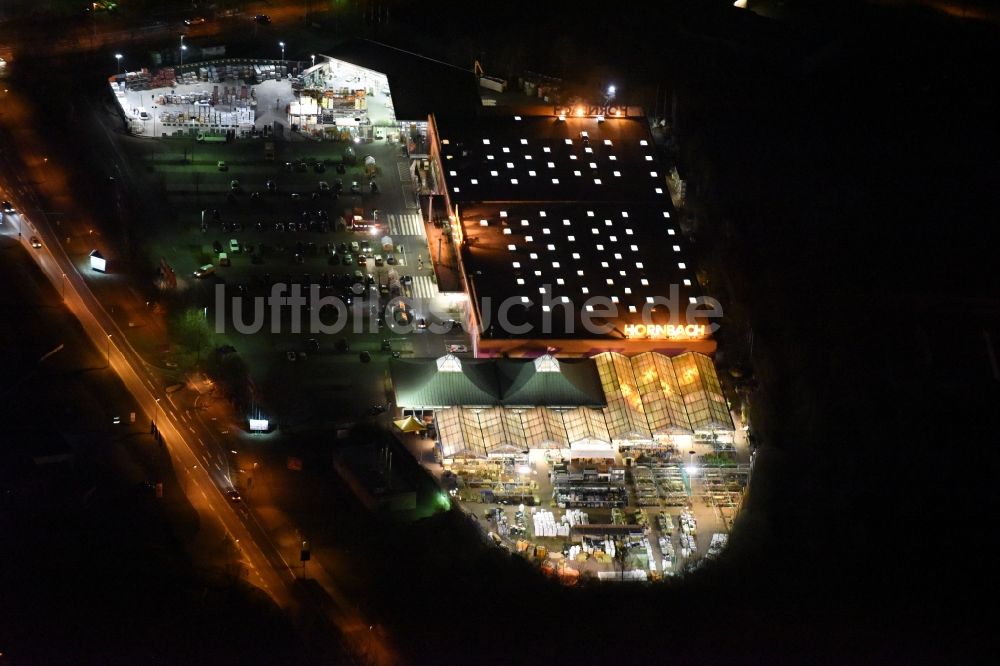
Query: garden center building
x,y
496,407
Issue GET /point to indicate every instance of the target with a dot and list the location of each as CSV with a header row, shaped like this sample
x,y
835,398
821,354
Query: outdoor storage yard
x,y
244,97
648,512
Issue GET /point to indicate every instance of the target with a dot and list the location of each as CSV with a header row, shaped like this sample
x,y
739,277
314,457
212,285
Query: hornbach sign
x,y
667,331
592,110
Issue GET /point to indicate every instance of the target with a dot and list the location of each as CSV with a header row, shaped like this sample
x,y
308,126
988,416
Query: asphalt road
x,y
200,465
104,31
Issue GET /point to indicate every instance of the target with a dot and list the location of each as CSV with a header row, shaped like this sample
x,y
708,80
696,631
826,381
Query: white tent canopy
x,y
577,454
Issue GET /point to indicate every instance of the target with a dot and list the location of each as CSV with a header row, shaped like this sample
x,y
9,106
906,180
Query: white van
x,y
205,271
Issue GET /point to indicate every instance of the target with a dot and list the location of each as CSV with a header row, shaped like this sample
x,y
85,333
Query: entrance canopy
x,y
410,424
585,454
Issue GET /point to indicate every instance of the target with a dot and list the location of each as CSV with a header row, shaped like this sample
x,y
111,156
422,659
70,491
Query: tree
x,y
621,557
192,331
232,377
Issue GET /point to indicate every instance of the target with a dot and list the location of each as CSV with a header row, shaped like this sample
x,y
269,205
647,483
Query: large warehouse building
x,y
567,235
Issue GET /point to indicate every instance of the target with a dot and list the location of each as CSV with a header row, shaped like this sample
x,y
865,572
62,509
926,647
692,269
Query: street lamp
x,y
183,49
156,411
313,56
109,350
64,286
118,57
282,45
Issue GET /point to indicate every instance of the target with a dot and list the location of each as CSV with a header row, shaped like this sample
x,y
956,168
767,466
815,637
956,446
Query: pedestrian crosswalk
x,y
403,169
424,287
406,182
405,224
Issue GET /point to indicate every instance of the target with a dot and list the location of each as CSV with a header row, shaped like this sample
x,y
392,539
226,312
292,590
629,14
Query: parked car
x,y
222,166
355,188
457,349
204,271
401,317
234,246
234,184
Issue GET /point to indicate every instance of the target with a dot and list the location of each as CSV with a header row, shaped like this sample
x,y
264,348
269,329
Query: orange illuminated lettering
x,y
666,331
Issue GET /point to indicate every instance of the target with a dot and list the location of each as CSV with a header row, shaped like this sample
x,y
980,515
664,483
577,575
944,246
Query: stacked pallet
x,y
164,78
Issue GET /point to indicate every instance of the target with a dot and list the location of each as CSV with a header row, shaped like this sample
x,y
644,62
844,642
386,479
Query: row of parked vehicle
x,y
308,223
323,188
319,167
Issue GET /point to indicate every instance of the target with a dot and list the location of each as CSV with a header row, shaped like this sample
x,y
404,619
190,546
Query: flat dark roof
x,y
551,220
539,158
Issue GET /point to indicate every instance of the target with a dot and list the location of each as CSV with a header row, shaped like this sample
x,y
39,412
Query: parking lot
x,y
250,214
